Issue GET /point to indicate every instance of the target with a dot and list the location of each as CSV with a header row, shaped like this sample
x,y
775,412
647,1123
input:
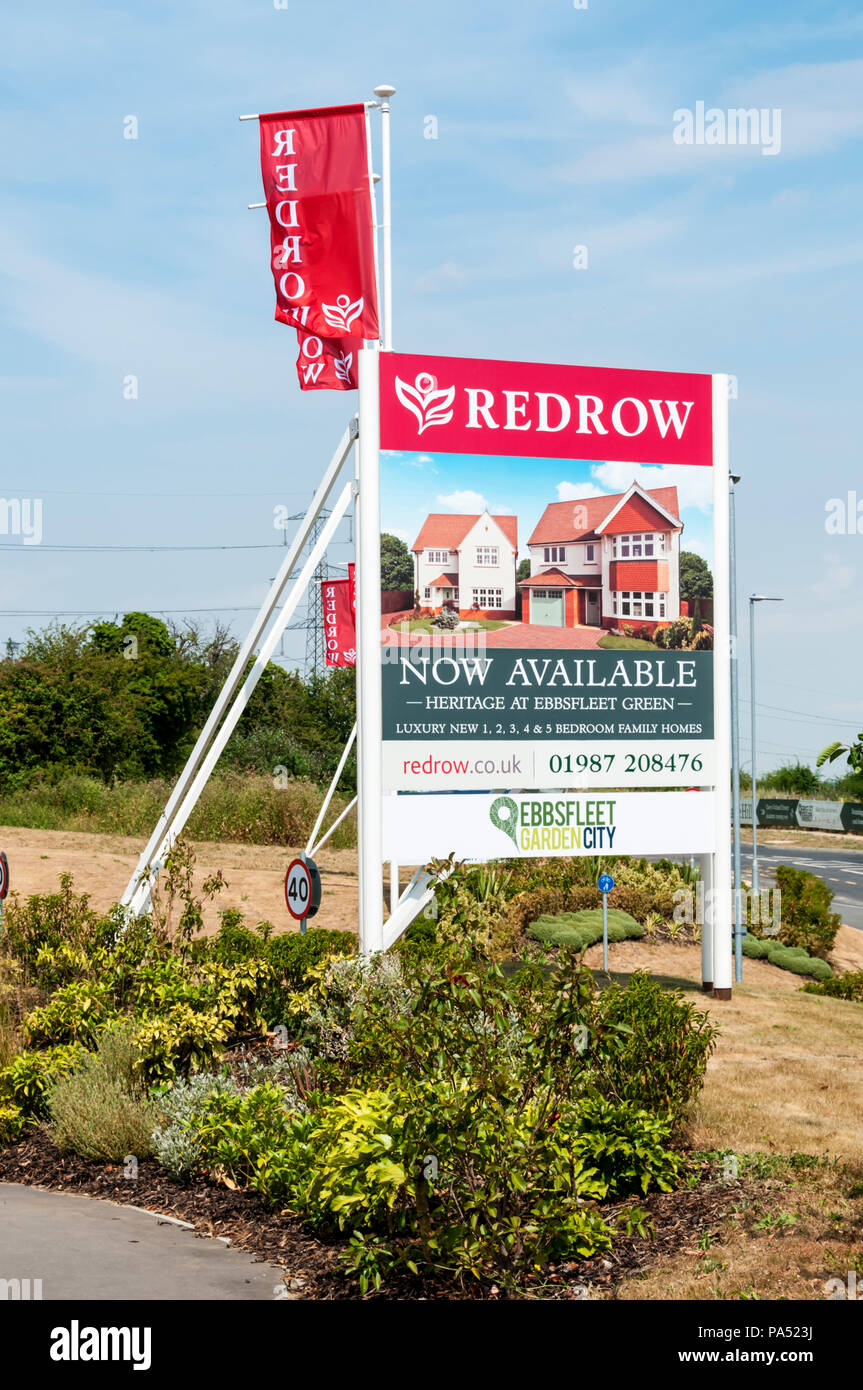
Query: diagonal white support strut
x,y
229,689
197,771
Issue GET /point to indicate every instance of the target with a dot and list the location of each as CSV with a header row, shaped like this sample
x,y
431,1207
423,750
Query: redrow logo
x,y
546,412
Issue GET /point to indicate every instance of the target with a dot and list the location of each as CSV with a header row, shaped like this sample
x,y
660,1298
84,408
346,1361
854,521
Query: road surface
x,y
842,870
86,1248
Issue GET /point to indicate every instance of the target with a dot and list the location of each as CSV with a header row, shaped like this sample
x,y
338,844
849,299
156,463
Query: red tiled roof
x,y
556,579
446,581
553,578
447,530
577,520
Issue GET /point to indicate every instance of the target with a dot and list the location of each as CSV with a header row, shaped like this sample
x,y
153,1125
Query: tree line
x,y
126,700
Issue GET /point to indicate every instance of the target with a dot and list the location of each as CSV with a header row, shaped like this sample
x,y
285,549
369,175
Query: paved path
x,y
85,1248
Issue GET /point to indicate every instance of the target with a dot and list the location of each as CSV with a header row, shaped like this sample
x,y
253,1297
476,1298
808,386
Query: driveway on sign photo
x,y
519,635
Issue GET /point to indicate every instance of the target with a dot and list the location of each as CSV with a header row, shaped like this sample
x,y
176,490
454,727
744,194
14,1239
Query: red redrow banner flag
x,y
318,186
339,622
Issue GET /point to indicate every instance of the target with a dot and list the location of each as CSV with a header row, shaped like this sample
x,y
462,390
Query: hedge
x,y
582,929
792,958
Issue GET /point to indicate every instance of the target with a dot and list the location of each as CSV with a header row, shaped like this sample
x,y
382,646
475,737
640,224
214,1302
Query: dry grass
x,y
784,1094
786,1075
793,1228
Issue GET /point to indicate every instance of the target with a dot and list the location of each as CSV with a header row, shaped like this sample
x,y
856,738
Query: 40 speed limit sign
x,y
302,889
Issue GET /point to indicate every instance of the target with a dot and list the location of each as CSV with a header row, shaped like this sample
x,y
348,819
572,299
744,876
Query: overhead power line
x,y
115,549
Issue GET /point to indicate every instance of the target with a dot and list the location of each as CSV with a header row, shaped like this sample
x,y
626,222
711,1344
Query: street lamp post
x,y
753,599
734,479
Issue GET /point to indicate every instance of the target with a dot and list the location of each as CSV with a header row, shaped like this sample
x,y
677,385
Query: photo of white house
x,y
605,561
467,562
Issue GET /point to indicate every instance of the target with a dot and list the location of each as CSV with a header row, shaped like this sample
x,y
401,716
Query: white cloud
x,y
465,501
573,492
694,485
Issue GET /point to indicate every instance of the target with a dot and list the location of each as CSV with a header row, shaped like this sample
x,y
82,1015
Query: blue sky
x,y
122,257
414,484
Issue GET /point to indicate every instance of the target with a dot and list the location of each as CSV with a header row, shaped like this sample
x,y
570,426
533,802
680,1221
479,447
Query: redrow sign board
x,y
465,405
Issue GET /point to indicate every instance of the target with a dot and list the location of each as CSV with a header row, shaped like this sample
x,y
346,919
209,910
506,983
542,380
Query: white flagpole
x,y
369,771
722,913
384,92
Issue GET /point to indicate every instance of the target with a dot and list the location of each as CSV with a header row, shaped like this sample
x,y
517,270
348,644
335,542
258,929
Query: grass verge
x,y
244,807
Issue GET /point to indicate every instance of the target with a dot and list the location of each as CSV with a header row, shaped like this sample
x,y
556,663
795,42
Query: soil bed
x,y
311,1264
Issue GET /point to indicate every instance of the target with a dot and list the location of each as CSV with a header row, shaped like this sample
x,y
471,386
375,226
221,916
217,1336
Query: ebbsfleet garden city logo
x,y
555,824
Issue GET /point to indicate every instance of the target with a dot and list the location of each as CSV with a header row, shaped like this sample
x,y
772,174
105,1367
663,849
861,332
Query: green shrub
x,y
847,986
511,1195
102,1110
356,1141
28,1078
471,902
487,1071
254,1139
806,919
667,1042
13,1123
177,1143
628,1147
793,958
579,930
53,934
74,1014
294,956
181,1039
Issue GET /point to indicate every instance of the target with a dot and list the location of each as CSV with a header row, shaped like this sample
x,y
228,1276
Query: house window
x,y
426,592
486,555
488,598
554,555
643,545
437,557
631,603
590,554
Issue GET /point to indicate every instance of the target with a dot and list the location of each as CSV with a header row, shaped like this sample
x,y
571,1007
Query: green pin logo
x,y
503,814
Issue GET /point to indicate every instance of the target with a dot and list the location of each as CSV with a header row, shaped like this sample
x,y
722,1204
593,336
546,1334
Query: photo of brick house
x,y
467,563
606,561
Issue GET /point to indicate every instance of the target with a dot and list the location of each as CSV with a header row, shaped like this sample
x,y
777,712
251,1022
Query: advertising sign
x,y
522,825
559,522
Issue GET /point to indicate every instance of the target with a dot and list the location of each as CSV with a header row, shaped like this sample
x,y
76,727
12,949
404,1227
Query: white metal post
x,y
721,912
703,899
384,92
752,738
368,553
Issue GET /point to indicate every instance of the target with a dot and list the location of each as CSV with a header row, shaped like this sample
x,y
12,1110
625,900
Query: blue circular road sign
x,y
605,883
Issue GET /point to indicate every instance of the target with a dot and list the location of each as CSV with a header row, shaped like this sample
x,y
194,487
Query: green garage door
x,y
546,607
